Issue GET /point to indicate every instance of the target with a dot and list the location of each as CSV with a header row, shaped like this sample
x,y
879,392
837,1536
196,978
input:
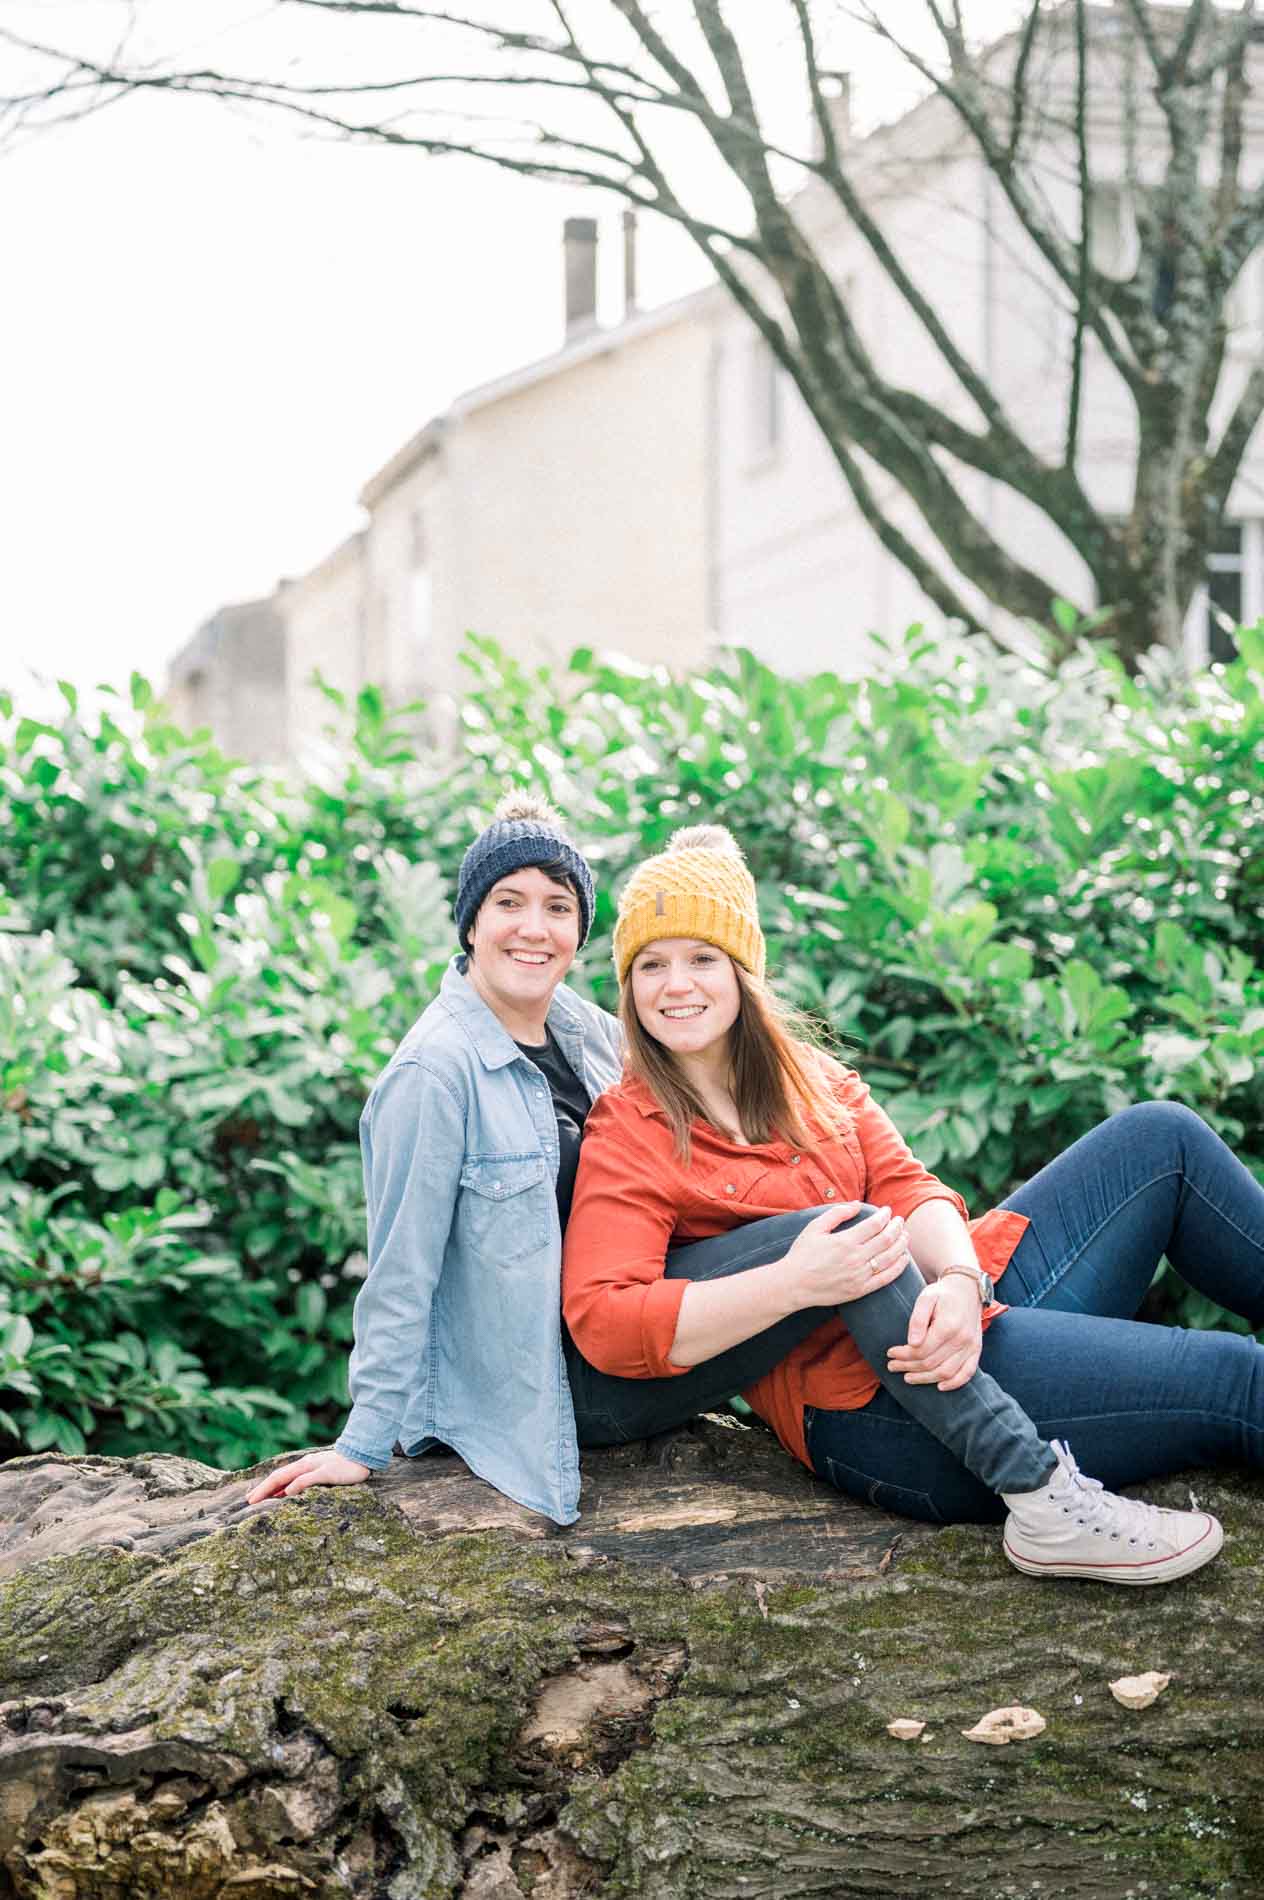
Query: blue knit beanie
x,y
512,843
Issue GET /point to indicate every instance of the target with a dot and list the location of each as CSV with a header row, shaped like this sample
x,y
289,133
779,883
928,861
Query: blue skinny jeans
x,y
1068,1360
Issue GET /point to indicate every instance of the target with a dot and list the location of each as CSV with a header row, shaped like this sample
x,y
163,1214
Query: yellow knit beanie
x,y
699,887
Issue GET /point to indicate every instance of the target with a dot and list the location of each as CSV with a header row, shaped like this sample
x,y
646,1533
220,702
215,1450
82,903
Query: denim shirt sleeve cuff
x,y
368,1437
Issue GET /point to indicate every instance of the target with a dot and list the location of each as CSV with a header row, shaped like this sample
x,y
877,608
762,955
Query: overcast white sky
x,y
212,336
214,331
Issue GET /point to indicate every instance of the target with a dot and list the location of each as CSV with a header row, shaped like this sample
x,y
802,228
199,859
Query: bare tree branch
x,y
1018,89
1082,288
1227,457
964,94
933,583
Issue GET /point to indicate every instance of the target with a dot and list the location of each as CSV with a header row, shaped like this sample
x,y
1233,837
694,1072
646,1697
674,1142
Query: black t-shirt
x,y
571,1103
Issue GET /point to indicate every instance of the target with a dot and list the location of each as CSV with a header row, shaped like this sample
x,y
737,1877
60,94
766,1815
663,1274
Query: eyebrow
x,y
691,944
516,890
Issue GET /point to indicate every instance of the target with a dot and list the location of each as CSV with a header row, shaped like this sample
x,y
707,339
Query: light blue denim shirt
x,y
458,1333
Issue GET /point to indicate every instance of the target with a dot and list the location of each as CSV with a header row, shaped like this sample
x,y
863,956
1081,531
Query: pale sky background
x,y
214,330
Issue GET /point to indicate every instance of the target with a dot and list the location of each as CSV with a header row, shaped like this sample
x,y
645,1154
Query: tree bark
x,y
415,1689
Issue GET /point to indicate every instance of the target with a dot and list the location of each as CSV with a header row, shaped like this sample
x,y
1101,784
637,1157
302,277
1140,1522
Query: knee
x,y
863,1212
801,1217
1169,1124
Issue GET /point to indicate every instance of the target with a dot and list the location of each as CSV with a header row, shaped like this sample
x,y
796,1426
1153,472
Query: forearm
x,y
717,1314
939,1238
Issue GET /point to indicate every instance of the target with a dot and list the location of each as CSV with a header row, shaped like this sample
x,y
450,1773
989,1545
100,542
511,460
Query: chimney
x,y
629,263
579,248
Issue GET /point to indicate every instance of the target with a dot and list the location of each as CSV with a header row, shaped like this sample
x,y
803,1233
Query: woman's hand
x,y
945,1335
318,1467
828,1268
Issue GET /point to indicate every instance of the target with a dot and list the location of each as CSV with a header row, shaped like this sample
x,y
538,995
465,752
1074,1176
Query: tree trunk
x,y
414,1689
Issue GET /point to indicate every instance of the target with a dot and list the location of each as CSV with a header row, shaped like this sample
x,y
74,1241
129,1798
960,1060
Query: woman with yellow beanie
x,y
746,1218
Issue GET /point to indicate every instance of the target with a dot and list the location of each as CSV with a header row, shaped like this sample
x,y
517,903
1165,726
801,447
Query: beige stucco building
x,y
231,676
562,505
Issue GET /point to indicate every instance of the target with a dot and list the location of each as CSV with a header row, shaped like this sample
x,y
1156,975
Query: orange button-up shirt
x,y
635,1198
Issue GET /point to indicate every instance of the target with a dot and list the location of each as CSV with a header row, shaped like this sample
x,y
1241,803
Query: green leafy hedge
x,y
1021,898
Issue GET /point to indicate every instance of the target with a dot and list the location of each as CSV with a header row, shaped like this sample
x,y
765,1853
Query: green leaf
x,y
889,820
28,731
1251,647
142,692
47,1428
168,1361
222,874
1082,986
16,1337
148,1169
1066,617
113,1173
309,1306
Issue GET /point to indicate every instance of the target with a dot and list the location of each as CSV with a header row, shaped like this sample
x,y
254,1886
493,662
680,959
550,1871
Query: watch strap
x,y
980,1278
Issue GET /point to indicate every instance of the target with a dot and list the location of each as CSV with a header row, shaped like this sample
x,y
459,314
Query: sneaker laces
x,y
1098,1509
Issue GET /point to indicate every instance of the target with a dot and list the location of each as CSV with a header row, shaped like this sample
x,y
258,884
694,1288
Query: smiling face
x,y
522,942
685,993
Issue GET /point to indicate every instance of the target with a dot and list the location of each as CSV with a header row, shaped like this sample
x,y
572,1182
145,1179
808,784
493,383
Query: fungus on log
x,y
413,1689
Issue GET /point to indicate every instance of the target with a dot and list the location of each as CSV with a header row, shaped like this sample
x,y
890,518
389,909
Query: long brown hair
x,y
780,1088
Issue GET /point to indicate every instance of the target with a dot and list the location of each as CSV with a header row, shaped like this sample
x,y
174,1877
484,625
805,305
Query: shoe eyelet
x,y
1114,1537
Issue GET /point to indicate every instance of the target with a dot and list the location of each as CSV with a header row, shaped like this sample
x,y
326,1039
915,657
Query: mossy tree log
x,y
413,1689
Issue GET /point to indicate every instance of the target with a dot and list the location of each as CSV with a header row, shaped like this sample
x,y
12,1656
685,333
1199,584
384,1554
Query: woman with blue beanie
x,y
470,1141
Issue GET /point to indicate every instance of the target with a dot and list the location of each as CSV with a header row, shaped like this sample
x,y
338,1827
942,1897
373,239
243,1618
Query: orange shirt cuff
x,y
931,1191
660,1316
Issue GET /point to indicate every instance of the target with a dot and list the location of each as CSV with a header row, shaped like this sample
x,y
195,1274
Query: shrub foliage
x,y
1019,898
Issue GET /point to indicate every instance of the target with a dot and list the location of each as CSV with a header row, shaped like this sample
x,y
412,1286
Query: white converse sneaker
x,y
1073,1527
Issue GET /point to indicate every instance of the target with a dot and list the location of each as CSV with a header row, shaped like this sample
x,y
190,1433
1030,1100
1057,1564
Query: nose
x,y
533,924
679,982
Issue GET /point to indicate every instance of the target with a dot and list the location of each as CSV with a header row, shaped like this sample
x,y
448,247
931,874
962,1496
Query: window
x,y
421,608
1224,591
1244,306
420,598
765,401
1233,594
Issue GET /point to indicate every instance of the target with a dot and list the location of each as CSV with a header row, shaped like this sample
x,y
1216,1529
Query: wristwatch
x,y
981,1280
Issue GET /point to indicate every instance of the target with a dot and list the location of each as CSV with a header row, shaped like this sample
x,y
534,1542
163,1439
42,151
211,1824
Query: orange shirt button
x,y
729,1188
794,1161
829,1194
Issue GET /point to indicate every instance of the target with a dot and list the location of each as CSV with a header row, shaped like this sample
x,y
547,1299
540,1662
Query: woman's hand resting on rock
x,y
318,1467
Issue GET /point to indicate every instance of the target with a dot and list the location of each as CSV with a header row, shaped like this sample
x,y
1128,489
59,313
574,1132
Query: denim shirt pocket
x,y
502,1210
